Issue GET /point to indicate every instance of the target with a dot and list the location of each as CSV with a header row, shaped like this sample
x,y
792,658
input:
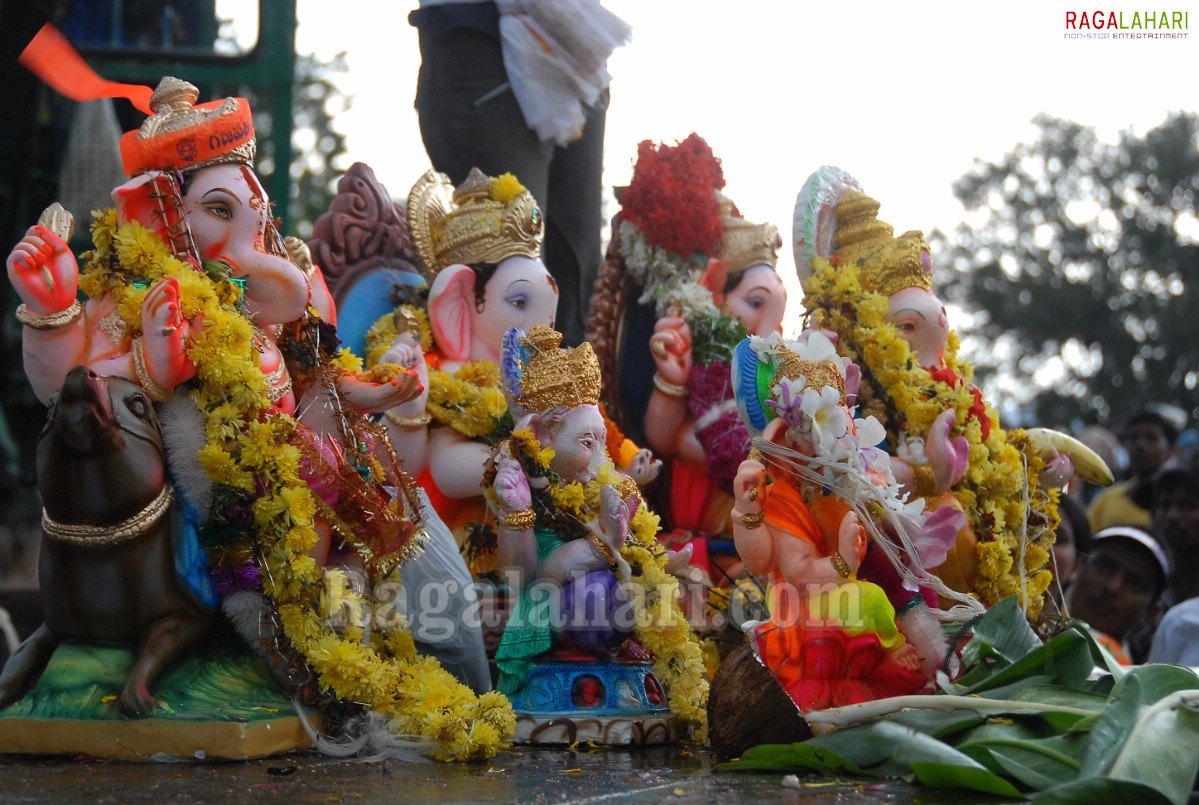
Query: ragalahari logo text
x,y
1124,24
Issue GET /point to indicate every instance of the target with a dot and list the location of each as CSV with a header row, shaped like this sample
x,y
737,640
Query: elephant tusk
x,y
1087,463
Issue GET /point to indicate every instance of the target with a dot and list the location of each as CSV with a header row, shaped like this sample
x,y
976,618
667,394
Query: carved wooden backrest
x,y
362,246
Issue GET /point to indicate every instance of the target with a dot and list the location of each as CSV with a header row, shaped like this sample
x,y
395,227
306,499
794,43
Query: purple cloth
x,y
595,614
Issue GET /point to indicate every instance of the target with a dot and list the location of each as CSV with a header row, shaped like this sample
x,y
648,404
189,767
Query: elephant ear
x,y
155,200
751,378
815,218
714,278
451,302
152,199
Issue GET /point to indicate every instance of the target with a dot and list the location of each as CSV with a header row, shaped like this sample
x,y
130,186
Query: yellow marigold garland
x,y
1013,518
252,451
383,332
661,625
469,400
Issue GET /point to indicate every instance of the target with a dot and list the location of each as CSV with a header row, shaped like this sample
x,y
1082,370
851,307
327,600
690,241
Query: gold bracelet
x,y
521,519
669,389
840,565
156,392
408,421
752,521
605,552
51,321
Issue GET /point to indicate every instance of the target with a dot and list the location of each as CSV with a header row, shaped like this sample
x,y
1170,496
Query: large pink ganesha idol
x,y
191,295
481,243
214,218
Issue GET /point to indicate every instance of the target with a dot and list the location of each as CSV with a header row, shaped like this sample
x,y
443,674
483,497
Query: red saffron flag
x,y
53,59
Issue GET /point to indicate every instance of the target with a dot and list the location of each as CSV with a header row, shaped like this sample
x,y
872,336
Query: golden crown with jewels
x,y
551,376
745,244
816,374
483,220
888,264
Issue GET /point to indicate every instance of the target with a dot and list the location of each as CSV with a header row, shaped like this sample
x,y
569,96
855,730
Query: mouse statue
x,y
112,532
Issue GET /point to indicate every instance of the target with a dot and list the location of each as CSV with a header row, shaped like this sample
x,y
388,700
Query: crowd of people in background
x,y
1128,556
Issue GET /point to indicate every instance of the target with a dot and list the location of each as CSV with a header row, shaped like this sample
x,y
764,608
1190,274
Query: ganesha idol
x,y
289,495
596,646
872,292
692,416
706,278
481,243
812,497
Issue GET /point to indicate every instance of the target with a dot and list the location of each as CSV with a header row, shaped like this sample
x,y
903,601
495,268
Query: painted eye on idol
x,y
218,209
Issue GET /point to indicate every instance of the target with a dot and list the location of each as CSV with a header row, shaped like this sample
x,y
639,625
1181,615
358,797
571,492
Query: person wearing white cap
x,y
1118,587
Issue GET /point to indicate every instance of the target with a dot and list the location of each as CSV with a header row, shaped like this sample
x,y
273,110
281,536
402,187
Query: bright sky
x,y
903,95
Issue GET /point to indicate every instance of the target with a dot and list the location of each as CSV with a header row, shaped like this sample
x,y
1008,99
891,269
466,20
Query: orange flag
x,y
53,59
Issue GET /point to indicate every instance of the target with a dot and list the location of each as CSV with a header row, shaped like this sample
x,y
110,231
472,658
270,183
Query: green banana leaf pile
x,y
1055,721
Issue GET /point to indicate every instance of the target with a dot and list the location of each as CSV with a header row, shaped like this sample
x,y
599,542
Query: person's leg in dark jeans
x,y
574,219
469,117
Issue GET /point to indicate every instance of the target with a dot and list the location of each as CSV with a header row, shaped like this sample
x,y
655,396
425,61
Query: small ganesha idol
x,y
814,497
583,657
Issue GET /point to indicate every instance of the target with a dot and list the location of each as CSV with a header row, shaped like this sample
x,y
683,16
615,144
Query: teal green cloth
x,y
527,633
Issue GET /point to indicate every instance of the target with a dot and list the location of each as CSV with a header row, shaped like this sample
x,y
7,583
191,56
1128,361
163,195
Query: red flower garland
x,y
672,196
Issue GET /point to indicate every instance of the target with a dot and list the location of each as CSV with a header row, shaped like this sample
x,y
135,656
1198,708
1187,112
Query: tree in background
x,y
318,157
1081,261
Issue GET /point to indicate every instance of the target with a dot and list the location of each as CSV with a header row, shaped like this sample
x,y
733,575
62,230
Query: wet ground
x,y
659,775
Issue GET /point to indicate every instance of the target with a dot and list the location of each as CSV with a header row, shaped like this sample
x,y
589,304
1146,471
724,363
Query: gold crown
x,y
816,374
482,221
183,134
888,264
745,244
553,376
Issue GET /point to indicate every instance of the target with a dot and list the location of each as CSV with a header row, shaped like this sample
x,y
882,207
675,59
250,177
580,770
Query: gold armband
x,y
604,551
410,422
752,521
926,482
840,565
156,392
51,321
521,519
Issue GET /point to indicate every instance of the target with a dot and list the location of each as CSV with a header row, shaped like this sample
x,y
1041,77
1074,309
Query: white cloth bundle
x,y
555,52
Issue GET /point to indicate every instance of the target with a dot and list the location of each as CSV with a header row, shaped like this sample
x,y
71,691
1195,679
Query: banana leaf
x,y
1054,722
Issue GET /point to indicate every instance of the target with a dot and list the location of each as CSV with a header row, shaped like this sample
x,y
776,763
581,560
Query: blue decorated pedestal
x,y
605,701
